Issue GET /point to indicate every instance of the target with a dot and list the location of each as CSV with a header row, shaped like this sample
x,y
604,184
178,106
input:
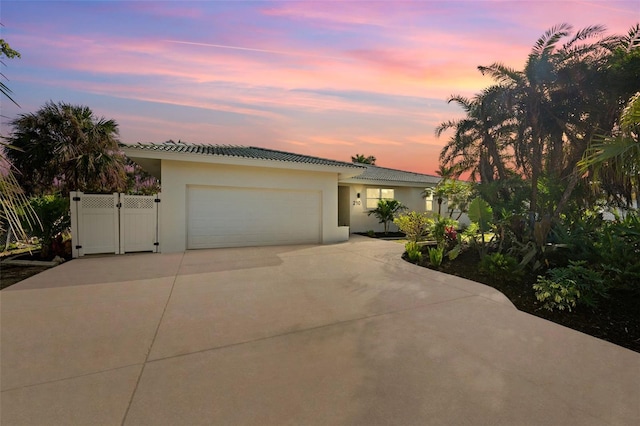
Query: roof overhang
x,y
388,183
151,161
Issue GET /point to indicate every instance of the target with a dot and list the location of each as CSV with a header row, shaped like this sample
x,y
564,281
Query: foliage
x,y
415,225
617,157
53,211
444,231
617,249
66,147
7,52
539,121
436,255
501,267
371,233
481,213
589,282
414,252
361,159
386,212
562,294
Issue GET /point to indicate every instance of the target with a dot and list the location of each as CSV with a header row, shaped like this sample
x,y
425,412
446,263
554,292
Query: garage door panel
x,y
234,217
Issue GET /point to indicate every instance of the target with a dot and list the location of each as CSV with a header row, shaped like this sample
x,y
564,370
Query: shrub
x,y
415,225
435,256
617,248
500,267
562,294
414,252
53,212
442,230
589,282
371,233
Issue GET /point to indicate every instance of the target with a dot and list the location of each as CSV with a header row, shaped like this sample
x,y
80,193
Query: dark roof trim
x,y
238,151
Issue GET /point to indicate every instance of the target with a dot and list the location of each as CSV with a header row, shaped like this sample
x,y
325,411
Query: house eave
x,y
153,158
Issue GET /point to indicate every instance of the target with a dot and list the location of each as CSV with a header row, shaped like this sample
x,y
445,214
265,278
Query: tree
x,y
361,159
480,139
66,148
12,197
539,121
386,212
7,52
617,157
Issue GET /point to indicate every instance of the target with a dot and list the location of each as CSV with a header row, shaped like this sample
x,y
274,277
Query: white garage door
x,y
242,217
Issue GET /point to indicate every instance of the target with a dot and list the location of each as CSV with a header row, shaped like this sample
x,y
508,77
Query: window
x,y
376,194
428,201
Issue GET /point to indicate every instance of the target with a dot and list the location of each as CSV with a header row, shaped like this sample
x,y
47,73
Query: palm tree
x,y
479,142
617,157
12,197
361,159
559,100
67,148
386,212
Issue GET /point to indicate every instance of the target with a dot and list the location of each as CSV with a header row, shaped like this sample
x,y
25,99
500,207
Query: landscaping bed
x,y
615,319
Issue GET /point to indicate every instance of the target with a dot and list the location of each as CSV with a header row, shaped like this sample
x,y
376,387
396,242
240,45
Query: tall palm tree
x,y
479,142
617,157
559,100
65,147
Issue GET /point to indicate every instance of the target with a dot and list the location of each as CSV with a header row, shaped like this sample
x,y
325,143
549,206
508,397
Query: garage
x,y
240,217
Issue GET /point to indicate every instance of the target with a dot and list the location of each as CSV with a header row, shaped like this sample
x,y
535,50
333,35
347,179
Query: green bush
x,y
442,230
386,212
501,267
559,295
414,252
415,225
617,249
589,282
435,256
53,212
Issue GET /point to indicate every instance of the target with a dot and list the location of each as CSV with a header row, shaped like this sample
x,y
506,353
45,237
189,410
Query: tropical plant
x,y
386,212
501,267
479,142
53,211
589,282
414,252
415,225
561,294
12,197
618,156
481,213
65,147
436,254
361,159
7,52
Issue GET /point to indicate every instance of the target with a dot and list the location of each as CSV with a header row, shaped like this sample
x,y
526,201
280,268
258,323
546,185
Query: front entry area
x,y
244,217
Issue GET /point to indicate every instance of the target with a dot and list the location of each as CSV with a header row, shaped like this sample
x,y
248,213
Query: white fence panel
x,y
138,223
114,223
96,228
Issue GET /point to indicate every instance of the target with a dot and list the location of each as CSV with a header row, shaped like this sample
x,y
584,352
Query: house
x,y
231,196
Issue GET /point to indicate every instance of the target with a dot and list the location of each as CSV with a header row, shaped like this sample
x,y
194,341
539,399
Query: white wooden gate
x,y
114,223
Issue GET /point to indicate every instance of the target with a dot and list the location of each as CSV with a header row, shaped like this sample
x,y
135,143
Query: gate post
x,y
76,214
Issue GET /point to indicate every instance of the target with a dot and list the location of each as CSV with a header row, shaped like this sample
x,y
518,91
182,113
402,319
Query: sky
x,y
324,78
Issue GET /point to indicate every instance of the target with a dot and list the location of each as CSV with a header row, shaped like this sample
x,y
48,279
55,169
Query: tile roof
x,y
238,151
375,173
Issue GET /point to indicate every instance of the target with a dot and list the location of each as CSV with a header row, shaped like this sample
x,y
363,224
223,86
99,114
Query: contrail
x,y
275,52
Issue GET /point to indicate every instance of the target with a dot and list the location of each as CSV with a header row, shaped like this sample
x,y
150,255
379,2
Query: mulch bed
x,y
616,319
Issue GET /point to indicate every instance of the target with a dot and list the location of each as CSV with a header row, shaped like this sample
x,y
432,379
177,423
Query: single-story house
x,y
231,196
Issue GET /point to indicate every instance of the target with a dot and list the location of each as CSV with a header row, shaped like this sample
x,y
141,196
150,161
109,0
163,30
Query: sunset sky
x,y
323,78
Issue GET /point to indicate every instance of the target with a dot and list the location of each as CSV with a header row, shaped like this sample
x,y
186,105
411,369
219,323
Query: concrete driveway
x,y
299,335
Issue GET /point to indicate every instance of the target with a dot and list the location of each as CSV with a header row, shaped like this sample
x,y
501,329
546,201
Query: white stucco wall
x,y
176,175
361,222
